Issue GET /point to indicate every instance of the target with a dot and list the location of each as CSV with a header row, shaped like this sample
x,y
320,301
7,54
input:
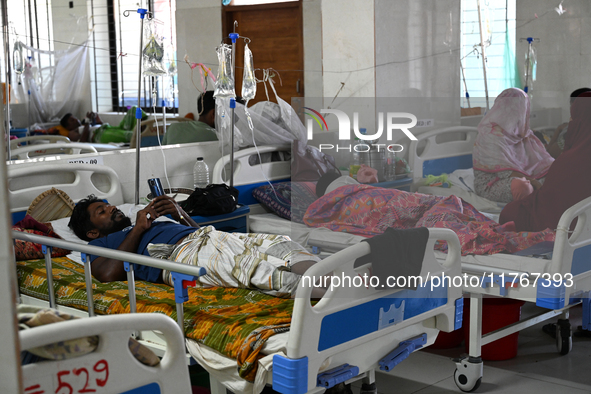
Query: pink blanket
x,y
368,211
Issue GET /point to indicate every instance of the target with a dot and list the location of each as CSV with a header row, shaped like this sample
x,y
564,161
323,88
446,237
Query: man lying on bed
x,y
272,263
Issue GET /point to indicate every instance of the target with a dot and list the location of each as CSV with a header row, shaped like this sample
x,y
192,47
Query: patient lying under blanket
x,y
263,261
368,211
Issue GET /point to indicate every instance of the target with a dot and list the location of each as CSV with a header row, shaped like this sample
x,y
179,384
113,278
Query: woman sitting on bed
x,y
509,160
566,183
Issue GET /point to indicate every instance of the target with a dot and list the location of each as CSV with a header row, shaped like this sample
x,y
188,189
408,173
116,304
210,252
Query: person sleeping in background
x,y
509,160
77,131
566,182
92,129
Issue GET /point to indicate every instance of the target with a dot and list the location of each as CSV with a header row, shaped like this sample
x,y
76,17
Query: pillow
x,y
288,200
24,250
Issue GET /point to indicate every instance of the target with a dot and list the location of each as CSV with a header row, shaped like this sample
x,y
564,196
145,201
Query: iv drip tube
x,y
483,53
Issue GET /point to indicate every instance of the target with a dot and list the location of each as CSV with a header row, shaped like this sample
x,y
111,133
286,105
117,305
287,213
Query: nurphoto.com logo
x,y
345,129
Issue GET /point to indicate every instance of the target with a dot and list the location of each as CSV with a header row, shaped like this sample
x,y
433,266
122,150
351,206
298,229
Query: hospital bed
x,y
51,149
322,347
555,283
111,368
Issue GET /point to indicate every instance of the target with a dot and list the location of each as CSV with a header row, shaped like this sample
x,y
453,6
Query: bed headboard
x,y
25,183
248,177
442,151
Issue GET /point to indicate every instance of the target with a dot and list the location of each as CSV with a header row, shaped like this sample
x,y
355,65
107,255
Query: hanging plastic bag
x,y
530,69
153,52
249,83
18,56
224,86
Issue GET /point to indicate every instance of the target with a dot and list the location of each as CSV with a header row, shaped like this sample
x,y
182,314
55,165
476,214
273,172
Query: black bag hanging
x,y
216,199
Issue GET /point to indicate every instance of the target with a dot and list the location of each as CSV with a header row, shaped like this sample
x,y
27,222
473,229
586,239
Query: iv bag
x,y
224,86
249,83
531,63
19,57
153,51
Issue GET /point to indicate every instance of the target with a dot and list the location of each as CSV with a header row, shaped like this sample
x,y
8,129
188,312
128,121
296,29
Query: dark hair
x,y
577,93
64,120
324,181
205,102
80,221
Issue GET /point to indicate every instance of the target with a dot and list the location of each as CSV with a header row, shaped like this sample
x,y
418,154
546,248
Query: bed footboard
x,y
111,368
354,330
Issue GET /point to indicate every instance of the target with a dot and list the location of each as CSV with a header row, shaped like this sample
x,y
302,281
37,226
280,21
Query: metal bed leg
x,y
215,387
88,279
468,374
49,273
129,268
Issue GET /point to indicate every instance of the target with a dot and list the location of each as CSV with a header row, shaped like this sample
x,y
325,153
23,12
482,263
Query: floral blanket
x,y
368,211
235,322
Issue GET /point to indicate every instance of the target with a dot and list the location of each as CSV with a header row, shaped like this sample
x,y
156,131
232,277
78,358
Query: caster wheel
x,y
464,384
564,339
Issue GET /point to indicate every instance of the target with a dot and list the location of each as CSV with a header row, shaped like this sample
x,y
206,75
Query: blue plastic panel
x,y
153,388
550,294
581,260
446,165
290,376
459,316
346,325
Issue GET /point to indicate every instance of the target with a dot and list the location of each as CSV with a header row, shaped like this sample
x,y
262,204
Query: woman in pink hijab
x,y
509,160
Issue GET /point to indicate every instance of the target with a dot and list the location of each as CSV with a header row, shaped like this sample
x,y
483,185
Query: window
x,y
31,23
498,23
115,56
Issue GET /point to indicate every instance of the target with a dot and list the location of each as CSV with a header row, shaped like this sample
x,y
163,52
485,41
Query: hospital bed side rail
x,y
310,352
182,274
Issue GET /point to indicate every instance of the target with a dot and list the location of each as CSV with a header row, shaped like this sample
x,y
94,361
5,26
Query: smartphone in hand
x,y
155,187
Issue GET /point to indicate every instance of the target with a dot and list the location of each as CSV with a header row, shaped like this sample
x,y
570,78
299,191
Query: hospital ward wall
x,y
563,53
179,161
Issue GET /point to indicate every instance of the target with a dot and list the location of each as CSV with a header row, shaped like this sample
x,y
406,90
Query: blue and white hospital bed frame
x,y
545,282
555,284
346,336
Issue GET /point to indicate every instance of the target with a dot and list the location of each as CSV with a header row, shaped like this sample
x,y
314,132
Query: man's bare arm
x,y
109,270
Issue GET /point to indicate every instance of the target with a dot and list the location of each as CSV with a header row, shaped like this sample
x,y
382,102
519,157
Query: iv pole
x,y
138,110
233,36
483,53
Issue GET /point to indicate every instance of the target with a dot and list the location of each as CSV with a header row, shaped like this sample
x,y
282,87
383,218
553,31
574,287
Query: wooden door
x,y
275,31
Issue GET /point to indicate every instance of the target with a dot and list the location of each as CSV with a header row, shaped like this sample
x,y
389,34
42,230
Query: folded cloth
x,y
397,253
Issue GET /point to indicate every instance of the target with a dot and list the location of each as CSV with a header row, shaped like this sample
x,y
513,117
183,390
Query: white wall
x,y
564,50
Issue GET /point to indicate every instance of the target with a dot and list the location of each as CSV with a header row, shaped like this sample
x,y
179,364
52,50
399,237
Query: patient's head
x,y
206,108
70,122
93,218
577,93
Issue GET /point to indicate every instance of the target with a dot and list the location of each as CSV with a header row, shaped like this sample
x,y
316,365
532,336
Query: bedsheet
x,y
368,211
234,322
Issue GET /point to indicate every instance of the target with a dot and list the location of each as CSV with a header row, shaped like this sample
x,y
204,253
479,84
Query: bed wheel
x,y
468,374
564,339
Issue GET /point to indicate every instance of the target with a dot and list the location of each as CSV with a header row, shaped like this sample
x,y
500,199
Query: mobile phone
x,y
155,187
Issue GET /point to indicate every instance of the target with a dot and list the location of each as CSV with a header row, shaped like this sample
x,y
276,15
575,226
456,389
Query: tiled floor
x,y
538,368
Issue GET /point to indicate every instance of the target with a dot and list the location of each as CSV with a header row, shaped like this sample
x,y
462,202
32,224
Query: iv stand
x,y
483,54
233,36
138,110
530,41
